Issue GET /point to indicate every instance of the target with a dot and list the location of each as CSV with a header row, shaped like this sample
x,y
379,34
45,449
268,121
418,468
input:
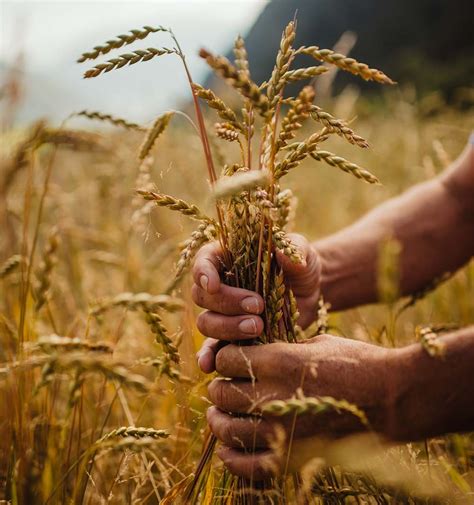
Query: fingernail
x,y
200,362
248,326
200,355
204,281
250,304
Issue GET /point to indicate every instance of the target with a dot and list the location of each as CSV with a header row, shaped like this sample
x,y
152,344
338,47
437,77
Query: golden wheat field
x,y
101,397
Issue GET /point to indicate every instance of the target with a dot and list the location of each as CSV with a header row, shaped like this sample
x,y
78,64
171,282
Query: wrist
x,y
404,394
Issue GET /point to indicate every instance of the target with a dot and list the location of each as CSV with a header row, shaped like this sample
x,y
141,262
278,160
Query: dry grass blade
x,y
132,58
343,62
159,126
172,203
241,181
344,165
117,121
120,41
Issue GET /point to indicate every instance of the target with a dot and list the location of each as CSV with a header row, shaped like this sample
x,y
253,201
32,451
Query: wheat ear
x,y
22,154
236,79
224,112
336,125
303,73
159,126
117,121
172,203
127,59
313,405
226,131
430,343
299,151
298,112
205,233
161,334
10,265
344,165
241,57
43,274
134,301
285,245
134,431
55,342
280,70
343,62
120,41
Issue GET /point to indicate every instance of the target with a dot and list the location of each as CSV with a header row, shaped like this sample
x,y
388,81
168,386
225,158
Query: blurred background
x,y
428,43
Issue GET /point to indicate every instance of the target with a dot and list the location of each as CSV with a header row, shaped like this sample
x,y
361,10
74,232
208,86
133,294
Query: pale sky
x,y
53,34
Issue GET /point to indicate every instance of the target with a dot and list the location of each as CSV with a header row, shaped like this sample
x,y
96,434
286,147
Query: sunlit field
x,y
101,397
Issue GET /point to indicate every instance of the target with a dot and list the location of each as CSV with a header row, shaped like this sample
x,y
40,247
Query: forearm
x,y
432,396
434,223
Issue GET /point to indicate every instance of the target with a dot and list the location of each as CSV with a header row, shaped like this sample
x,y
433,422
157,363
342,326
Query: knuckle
x,y
221,304
227,433
217,392
233,467
221,361
202,323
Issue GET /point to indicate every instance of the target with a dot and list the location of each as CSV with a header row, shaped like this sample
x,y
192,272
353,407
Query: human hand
x,y
233,313
323,366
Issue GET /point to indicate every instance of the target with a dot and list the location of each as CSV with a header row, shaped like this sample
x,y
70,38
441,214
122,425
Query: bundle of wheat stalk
x,y
252,209
101,397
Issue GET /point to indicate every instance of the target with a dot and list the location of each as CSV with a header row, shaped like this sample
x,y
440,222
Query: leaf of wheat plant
x,y
251,204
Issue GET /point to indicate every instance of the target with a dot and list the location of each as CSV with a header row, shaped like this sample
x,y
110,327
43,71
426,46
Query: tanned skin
x,y
406,394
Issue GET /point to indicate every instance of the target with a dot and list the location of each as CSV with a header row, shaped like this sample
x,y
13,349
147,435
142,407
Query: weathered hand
x,y
233,313
323,366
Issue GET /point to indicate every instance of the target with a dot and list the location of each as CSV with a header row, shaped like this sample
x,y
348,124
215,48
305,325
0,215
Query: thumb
x,y
303,277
